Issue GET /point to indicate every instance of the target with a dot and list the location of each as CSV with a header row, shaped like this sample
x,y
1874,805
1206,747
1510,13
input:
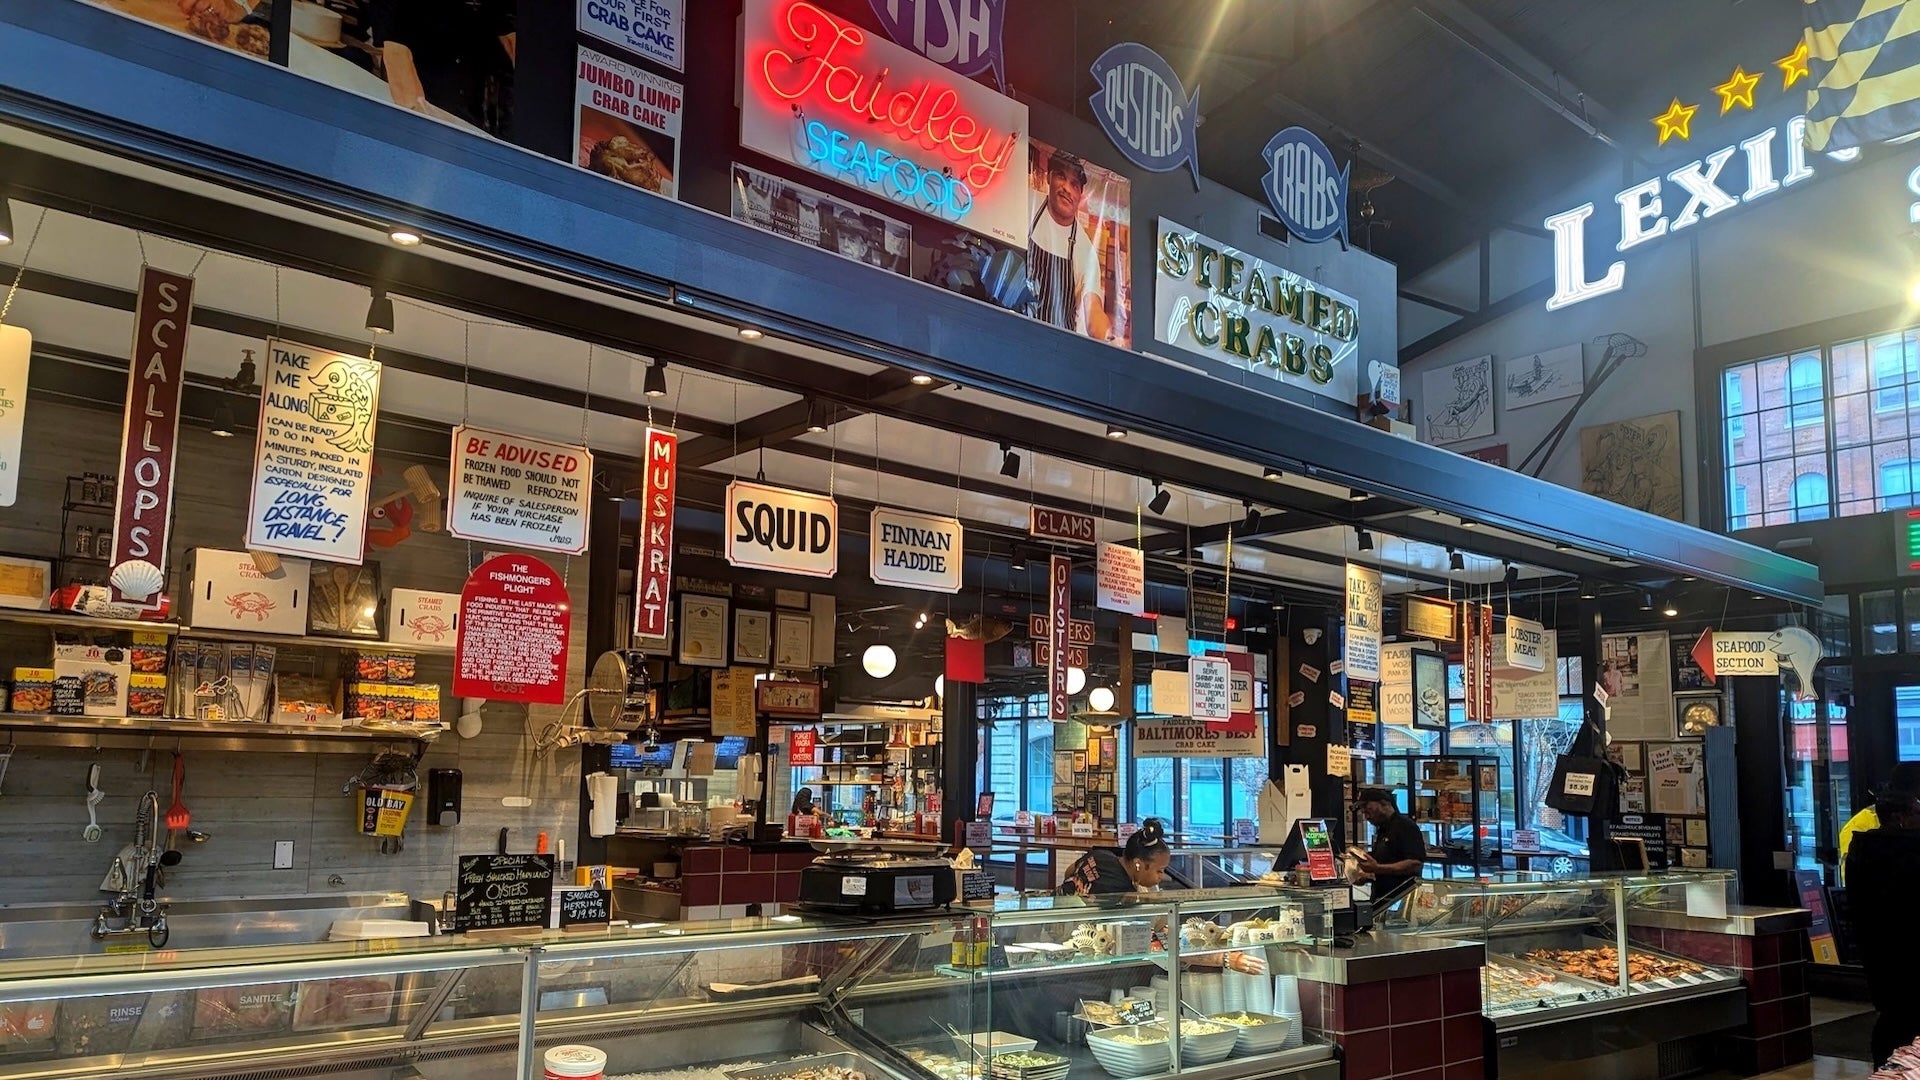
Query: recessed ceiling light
x,y
404,237
1356,495
1272,473
1115,431
921,378
6,222
751,334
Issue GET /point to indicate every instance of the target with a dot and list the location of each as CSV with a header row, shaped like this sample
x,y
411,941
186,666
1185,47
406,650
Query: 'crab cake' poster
x,y
313,465
626,123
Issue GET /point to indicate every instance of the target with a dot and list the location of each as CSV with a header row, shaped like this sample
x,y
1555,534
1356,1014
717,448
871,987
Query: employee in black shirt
x,y
451,56
1398,852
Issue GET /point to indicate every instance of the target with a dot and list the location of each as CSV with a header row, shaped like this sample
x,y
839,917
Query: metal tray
x,y
844,1060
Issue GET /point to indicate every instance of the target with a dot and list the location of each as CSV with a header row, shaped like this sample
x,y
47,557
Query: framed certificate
x,y
793,641
790,598
703,630
752,637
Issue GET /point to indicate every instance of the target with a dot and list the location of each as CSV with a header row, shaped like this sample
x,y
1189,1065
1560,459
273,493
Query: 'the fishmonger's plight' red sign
x,y
514,626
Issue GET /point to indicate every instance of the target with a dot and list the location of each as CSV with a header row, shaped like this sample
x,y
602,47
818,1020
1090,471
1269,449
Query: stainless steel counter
x,y
1740,921
1379,957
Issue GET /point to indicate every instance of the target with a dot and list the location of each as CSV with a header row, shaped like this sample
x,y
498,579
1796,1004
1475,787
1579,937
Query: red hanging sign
x,y
802,746
1470,658
1486,662
1059,606
149,438
654,580
515,621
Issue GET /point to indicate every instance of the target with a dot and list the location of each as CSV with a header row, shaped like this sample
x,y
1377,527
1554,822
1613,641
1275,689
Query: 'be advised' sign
x,y
514,627
514,490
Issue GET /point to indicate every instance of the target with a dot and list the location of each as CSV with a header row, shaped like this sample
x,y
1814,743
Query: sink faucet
x,y
135,906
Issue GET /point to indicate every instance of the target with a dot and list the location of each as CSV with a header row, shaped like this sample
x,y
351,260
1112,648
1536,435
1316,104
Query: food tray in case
x,y
841,1066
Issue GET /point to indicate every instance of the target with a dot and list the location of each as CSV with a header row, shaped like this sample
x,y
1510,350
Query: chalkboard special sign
x,y
504,892
585,907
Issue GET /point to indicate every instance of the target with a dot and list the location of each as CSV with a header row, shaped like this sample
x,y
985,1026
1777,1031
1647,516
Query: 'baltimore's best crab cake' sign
x,y
313,464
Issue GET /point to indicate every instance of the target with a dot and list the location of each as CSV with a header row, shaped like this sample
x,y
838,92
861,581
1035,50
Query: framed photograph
x,y
793,641
1079,761
1429,691
1062,766
1489,778
1102,782
703,630
1079,795
983,807
752,637
793,599
1107,807
1109,752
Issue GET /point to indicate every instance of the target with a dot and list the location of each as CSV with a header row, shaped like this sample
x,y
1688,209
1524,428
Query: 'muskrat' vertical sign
x,y
1059,627
966,36
1145,111
915,551
654,580
313,464
16,353
520,491
1732,176
149,437
789,532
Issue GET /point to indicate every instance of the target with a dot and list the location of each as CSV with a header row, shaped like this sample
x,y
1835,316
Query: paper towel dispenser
x,y
443,796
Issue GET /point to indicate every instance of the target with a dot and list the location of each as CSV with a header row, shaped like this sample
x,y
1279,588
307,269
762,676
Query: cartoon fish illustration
x,y
1145,111
1307,190
1799,650
344,401
979,628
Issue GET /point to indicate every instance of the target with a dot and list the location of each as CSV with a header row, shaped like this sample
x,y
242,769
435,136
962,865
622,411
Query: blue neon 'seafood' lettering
x,y
878,168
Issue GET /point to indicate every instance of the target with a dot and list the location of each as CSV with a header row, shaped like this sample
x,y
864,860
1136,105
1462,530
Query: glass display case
x,y
1558,947
1025,990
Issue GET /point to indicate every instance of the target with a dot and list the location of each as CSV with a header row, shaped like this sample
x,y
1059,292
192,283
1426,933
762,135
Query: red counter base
x,y
1423,1027
1779,1027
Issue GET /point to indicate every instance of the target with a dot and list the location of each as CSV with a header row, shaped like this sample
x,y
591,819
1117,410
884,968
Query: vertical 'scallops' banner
x,y
518,491
515,622
313,464
653,580
1059,627
1364,615
915,551
790,532
143,503
16,353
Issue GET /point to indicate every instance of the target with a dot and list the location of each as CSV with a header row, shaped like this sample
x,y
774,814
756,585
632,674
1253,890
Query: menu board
x,y
514,628
518,491
313,463
585,907
503,892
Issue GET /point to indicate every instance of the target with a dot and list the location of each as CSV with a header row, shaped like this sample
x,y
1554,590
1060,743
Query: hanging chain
x,y
141,239
466,368
586,403
21,273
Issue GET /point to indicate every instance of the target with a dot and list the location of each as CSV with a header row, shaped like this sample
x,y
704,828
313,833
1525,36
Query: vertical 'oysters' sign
x,y
1145,111
1306,189
968,36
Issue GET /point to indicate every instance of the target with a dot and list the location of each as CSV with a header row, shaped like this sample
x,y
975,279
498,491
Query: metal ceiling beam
x,y
776,427
1507,56
1533,294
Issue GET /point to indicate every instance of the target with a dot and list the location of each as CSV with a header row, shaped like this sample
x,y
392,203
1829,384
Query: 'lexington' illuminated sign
x,y
1708,190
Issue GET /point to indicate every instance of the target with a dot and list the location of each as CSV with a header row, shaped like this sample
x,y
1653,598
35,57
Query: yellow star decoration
x,y
1678,120
1737,90
1793,65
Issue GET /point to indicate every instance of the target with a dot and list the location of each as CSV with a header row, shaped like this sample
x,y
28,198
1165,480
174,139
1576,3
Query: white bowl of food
x,y
1260,1033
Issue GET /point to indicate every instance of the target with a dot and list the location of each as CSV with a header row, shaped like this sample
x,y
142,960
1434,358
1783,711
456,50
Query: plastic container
x,y
576,1063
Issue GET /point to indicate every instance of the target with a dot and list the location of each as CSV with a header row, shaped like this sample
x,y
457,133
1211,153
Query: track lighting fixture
x,y
1251,523
1115,431
1356,495
816,417
1363,538
1017,562
1646,601
380,313
1467,524
6,221
656,385
1009,462
1588,592
223,420
1161,497
1454,561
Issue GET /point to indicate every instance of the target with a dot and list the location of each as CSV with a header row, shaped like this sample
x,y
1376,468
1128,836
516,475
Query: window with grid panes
x,y
1821,432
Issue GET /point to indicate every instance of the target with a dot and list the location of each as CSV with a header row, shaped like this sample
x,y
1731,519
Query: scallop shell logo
x,y
137,579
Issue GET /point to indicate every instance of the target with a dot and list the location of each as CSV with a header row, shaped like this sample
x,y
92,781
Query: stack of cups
x,y
1286,1002
1234,983
1162,996
1209,995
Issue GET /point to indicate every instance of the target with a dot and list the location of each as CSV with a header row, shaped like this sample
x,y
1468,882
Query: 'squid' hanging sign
x,y
519,491
915,551
313,464
654,580
150,436
791,532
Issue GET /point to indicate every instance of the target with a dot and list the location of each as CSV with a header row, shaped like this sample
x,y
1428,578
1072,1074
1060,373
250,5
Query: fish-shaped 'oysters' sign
x,y
1305,188
968,36
1145,111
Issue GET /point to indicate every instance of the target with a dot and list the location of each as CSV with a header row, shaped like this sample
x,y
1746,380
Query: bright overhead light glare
x,y
1115,431
404,236
1076,680
1009,462
1161,497
380,313
878,661
6,221
1669,610
940,686
656,386
1913,292
751,333
1100,699
921,378
1273,474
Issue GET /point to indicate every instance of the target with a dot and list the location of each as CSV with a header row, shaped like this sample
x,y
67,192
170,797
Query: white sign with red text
x,y
518,491
653,580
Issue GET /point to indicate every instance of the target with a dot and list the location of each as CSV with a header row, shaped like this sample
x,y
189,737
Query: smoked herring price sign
x,y
915,551
515,623
503,892
789,532
149,437
519,491
313,463
654,579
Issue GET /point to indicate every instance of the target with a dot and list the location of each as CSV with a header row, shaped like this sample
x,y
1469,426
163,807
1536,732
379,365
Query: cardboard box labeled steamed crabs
x,y
418,617
230,593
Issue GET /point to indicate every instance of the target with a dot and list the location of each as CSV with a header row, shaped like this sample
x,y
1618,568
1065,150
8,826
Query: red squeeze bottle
x,y
540,846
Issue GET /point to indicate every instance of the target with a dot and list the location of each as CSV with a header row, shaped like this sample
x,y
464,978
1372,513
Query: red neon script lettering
x,y
930,115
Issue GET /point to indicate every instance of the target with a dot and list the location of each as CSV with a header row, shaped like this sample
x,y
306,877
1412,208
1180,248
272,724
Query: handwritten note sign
x,y
514,626
585,907
503,892
518,491
313,463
